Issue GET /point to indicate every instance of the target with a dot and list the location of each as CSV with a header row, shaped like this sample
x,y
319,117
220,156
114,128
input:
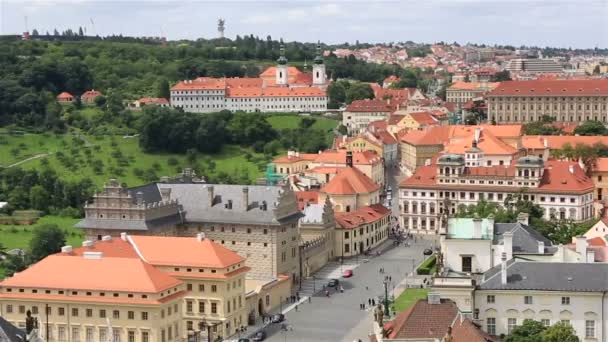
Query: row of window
x,y
491,299
539,98
512,323
548,107
368,242
525,118
102,333
75,312
499,196
77,293
251,99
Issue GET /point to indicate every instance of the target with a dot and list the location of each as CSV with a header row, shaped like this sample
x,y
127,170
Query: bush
x,y
172,161
427,266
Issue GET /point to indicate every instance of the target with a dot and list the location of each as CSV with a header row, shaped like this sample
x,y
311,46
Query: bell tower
x,y
318,68
282,69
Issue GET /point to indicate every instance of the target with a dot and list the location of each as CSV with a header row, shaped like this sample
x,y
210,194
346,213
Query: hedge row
x,y
426,266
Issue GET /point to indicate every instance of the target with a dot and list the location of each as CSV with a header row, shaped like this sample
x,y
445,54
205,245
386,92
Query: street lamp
x,y
386,313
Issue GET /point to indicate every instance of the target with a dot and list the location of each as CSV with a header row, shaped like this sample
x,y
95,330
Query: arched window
x,y
348,208
317,74
280,74
526,173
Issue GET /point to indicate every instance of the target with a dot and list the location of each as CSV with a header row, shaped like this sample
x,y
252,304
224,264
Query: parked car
x,y
333,283
259,336
278,318
347,273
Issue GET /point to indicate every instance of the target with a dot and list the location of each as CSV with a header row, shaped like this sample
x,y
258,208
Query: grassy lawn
x,y
230,160
19,236
408,298
292,121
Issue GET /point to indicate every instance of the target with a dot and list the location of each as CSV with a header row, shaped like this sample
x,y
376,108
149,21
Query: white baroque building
x,y
278,89
561,188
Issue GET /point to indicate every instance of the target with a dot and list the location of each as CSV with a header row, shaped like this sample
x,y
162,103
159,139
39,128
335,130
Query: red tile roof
x,y
350,181
394,119
184,251
91,94
424,118
377,125
423,321
153,100
361,216
342,142
439,135
115,248
552,87
368,105
473,86
488,143
558,141
65,96
392,79
601,165
306,197
104,274
557,177
463,330
386,138
299,157
339,157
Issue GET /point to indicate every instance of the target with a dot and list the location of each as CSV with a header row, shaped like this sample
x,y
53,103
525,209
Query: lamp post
x,y
386,313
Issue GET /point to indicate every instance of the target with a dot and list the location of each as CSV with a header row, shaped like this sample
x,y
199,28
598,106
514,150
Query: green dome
x,y
318,60
282,60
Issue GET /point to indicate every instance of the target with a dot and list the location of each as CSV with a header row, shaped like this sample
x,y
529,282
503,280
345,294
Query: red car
x,y
347,273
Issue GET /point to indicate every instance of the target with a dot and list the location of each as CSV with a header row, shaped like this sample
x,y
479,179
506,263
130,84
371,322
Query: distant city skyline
x,y
560,23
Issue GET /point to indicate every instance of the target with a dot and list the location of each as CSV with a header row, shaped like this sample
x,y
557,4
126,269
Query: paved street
x,y
338,317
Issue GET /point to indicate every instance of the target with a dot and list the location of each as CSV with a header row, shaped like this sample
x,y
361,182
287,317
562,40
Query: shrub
x,y
172,161
427,266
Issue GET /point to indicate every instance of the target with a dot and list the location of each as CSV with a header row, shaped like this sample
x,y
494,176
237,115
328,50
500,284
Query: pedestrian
x,y
298,296
373,302
369,301
390,278
296,307
367,288
309,298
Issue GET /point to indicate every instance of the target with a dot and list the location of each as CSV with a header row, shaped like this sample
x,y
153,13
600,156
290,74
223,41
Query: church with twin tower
x,y
281,88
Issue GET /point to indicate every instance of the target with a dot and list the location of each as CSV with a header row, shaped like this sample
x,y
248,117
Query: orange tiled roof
x,y
392,79
325,169
91,94
438,135
272,71
293,159
473,86
361,216
184,251
601,165
106,273
394,119
350,181
488,143
385,137
557,177
115,248
368,105
64,96
423,321
339,157
535,142
378,125
306,197
424,118
552,87
154,100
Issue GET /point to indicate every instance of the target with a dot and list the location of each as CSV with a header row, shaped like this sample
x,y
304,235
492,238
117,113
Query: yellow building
x,y
599,176
92,298
359,144
147,288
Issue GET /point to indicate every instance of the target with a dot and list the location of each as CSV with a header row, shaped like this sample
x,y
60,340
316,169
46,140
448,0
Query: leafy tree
x,y
39,198
359,91
559,332
336,92
343,130
35,32
14,264
307,122
502,76
591,128
529,331
164,90
100,101
47,239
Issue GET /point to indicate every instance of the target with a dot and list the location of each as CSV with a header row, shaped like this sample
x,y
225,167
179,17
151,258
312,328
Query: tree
x,y
359,91
80,32
529,331
39,198
502,76
47,239
164,89
596,70
591,128
35,32
14,264
337,94
559,332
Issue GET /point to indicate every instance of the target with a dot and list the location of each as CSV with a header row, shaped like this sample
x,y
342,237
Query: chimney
x,y
123,236
581,247
87,244
433,298
66,249
92,255
139,198
590,256
523,218
211,196
503,269
541,247
508,245
106,238
165,194
349,158
571,169
477,134
477,228
246,198
200,237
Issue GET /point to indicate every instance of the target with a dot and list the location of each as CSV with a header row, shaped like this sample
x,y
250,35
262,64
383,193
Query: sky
x,y
558,23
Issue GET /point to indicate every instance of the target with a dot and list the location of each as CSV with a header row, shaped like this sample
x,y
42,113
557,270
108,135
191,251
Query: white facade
x,y
208,101
357,122
501,310
318,74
